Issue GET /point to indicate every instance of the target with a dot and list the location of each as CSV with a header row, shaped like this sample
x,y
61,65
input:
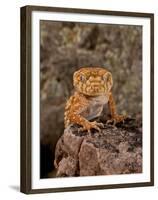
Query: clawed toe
x,y
97,125
117,119
92,125
101,125
109,121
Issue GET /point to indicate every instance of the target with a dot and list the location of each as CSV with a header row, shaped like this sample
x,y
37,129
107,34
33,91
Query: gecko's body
x,y
92,92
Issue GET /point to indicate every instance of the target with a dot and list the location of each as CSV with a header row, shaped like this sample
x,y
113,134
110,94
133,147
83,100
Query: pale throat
x,y
101,99
95,107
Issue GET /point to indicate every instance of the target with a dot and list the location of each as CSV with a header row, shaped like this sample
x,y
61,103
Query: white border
x,y
38,183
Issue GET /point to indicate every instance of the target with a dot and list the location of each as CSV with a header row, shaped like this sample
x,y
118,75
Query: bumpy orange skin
x,y
92,91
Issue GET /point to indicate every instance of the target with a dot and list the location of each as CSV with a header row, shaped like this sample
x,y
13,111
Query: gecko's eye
x,y
104,78
82,78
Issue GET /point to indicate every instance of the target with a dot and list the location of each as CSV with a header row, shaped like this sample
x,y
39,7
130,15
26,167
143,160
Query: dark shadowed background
x,y
67,46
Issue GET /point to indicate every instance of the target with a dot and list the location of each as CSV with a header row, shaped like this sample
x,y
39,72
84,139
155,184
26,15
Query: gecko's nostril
x,y
82,78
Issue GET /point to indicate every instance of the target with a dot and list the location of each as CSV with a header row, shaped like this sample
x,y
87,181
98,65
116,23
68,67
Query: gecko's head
x,y
93,81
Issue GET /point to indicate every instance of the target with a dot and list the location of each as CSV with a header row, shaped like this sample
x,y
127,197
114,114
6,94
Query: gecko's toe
x,y
89,131
98,129
117,119
110,121
82,129
101,125
92,125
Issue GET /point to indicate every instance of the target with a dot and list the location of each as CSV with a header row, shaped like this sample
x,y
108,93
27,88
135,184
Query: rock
x,y
115,150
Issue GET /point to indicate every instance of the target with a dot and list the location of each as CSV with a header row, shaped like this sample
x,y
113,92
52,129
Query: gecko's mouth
x,y
94,90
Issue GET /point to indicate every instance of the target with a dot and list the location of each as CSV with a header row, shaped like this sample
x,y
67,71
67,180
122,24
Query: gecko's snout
x,y
92,81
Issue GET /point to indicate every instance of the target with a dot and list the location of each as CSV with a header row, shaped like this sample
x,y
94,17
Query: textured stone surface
x,y
116,150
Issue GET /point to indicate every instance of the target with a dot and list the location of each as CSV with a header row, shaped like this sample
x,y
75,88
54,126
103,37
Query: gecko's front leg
x,y
76,112
114,116
86,125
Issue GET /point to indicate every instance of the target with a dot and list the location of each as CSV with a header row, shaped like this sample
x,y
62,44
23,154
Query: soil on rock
x,y
116,150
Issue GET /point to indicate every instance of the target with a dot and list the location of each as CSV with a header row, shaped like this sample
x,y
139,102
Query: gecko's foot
x,y
92,125
117,119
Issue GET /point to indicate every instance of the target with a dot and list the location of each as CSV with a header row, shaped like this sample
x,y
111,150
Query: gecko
x,y
93,89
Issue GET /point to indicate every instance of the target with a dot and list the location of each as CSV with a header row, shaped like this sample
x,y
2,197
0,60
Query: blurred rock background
x,y
67,46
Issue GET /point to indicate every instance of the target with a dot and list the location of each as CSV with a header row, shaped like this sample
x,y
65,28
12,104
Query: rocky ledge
x,y
115,150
